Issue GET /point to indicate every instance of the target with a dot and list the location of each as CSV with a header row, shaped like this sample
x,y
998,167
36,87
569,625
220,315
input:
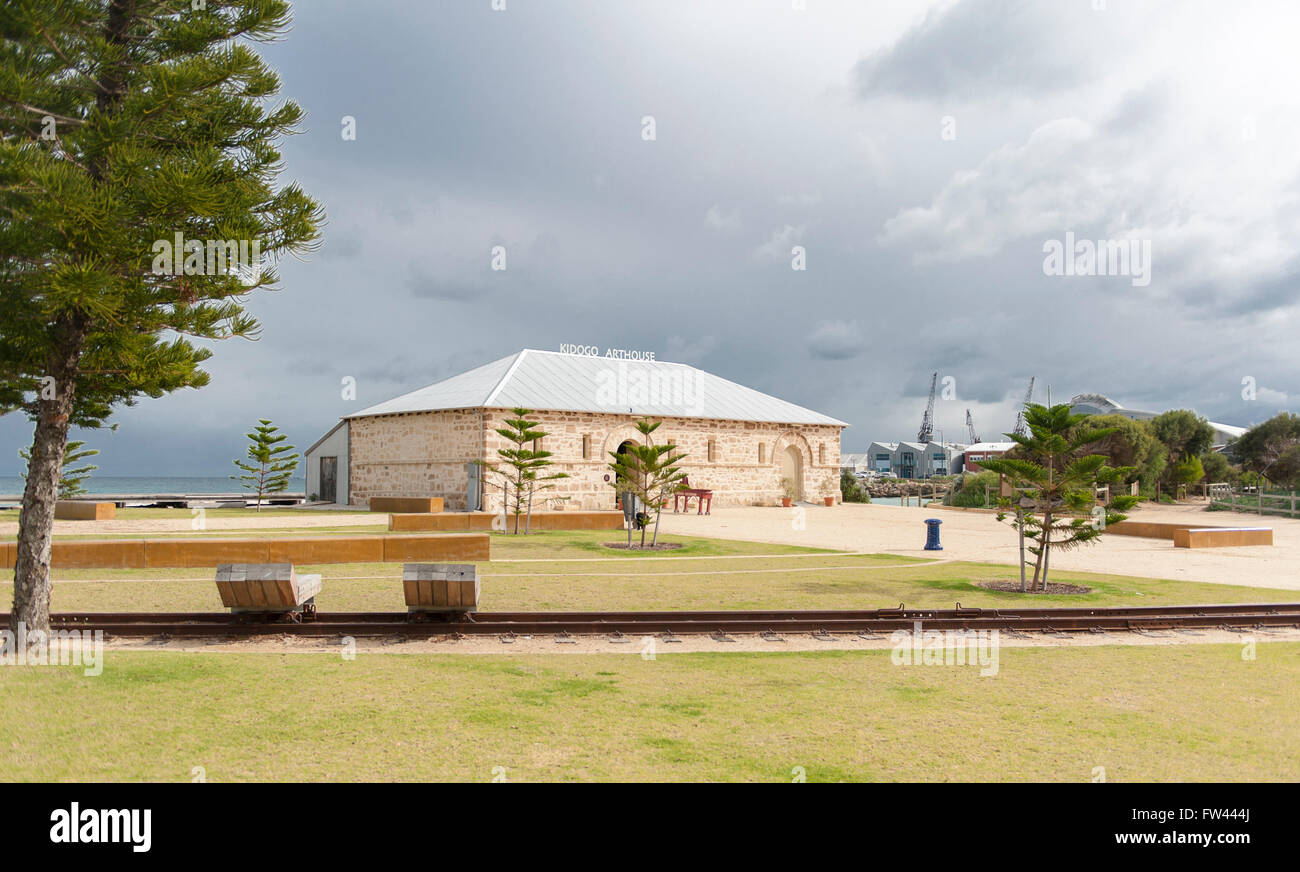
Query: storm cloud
x,y
920,153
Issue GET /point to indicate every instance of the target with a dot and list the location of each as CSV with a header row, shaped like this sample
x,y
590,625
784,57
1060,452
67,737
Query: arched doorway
x,y
792,468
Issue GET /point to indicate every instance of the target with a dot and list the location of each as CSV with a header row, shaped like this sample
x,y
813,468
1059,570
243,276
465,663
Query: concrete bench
x,y
266,588
420,505
1222,537
440,587
84,510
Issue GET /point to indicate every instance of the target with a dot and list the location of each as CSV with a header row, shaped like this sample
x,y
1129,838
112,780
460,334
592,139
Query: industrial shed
x,y
740,443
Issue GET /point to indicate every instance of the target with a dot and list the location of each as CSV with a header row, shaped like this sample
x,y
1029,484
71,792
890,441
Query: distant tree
x,y
270,465
125,127
523,466
650,473
976,489
1271,450
1133,444
1187,471
1059,475
1186,436
1218,469
851,490
72,476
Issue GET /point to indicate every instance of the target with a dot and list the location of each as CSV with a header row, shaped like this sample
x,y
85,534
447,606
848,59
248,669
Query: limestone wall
x,y
424,454
413,455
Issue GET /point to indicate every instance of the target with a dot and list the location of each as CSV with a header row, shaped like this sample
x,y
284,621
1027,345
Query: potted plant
x,y
830,501
788,492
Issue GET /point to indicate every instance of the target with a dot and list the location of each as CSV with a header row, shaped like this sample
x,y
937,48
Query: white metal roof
x,y
551,381
1100,404
991,446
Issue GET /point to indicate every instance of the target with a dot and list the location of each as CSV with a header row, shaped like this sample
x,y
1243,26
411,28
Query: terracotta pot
x,y
785,502
830,501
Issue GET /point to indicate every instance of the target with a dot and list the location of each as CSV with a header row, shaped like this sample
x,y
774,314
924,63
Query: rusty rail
x,y
323,624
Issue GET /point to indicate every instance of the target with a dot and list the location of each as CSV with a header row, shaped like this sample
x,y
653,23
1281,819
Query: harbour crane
x,y
970,429
924,435
1020,416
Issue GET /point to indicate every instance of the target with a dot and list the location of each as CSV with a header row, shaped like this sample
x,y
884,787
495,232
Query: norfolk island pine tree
x,y
522,468
1053,467
123,123
70,476
649,472
270,466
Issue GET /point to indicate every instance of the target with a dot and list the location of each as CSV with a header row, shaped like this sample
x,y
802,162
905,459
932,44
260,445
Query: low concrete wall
x,y
483,521
1146,529
422,505
1192,536
440,547
99,554
208,552
446,522
84,510
1222,537
577,521
327,549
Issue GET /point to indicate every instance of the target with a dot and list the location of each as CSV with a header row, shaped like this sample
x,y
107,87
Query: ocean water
x,y
11,485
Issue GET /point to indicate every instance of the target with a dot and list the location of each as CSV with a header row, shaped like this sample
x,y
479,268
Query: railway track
x,y
862,622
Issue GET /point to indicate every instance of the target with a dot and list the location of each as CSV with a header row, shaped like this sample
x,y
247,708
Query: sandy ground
x,y
980,537
974,536
650,647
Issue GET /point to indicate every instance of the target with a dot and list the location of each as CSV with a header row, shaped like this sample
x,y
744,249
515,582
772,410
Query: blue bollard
x,y
932,534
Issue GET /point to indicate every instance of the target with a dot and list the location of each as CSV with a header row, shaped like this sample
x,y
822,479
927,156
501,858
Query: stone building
x,y
739,443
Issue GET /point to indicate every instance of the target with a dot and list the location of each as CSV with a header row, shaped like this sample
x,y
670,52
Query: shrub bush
x,y
971,494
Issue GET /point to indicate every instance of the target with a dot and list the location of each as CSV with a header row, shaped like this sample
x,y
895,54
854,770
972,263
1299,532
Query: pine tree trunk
x,y
654,540
1047,559
1046,555
519,502
31,605
1038,560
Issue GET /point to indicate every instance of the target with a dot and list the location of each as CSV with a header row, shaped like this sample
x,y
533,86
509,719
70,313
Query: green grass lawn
x,y
569,544
830,581
1142,713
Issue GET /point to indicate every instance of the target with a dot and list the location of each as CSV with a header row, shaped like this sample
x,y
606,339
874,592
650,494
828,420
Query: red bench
x,y
703,498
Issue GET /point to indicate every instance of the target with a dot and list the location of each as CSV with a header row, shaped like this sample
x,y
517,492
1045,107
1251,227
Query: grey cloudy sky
x,y
1174,122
